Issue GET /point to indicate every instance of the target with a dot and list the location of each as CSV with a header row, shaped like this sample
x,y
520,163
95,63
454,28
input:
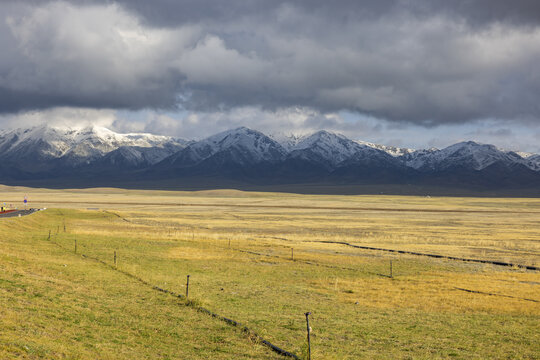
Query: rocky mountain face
x,y
533,161
251,156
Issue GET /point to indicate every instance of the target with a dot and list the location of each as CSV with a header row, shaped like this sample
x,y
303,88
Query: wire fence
x,y
250,333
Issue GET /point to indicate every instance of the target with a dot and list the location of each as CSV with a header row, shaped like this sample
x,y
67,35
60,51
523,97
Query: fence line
x,y
265,342
295,260
492,262
372,273
243,328
306,262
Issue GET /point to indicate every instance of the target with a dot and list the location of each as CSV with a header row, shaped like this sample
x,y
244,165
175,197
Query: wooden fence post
x,y
308,337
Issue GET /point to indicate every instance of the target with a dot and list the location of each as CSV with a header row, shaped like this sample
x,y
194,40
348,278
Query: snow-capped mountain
x,y
291,141
97,154
325,148
42,141
96,141
44,147
241,146
467,154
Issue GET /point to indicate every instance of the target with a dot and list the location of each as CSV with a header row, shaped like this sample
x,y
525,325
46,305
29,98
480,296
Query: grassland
x,y
237,248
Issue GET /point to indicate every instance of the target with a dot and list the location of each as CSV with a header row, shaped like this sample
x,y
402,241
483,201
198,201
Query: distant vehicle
x,y
4,210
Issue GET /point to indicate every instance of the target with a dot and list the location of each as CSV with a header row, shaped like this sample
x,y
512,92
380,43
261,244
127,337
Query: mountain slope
x,y
372,165
533,162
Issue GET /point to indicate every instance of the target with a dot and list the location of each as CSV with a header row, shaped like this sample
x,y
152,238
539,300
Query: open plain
x,y
264,259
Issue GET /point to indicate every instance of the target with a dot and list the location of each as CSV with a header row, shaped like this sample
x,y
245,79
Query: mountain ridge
x,y
245,155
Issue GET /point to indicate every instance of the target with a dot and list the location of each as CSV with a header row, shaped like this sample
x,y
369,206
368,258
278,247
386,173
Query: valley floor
x,y
264,259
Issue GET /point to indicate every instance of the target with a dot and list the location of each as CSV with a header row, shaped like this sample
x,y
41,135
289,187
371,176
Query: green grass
x,y
87,310
55,304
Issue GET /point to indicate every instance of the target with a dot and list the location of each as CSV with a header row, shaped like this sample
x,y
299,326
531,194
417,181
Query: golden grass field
x,y
237,247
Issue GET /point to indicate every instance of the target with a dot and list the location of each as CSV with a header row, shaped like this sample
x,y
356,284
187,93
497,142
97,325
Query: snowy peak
x,y
291,141
288,141
324,146
101,135
42,141
465,154
390,150
74,146
242,145
96,141
323,138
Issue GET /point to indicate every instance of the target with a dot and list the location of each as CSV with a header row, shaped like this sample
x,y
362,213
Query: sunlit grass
x,y
240,261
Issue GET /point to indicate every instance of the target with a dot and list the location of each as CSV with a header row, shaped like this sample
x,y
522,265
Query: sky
x,y
411,73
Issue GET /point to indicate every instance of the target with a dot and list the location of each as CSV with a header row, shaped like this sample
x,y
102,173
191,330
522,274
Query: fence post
x,y
391,272
49,238
115,258
187,287
308,332
75,246
292,254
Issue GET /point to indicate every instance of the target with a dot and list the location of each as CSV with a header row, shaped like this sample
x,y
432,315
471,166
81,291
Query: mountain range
x,y
95,156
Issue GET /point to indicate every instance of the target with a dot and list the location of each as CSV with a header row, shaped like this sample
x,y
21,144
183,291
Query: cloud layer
x,y
424,62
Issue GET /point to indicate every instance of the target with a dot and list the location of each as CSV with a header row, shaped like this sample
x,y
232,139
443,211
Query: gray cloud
x,y
425,62
475,12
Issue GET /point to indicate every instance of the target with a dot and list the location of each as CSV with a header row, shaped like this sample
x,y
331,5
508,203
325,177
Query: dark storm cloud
x,y
480,12
428,62
172,12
